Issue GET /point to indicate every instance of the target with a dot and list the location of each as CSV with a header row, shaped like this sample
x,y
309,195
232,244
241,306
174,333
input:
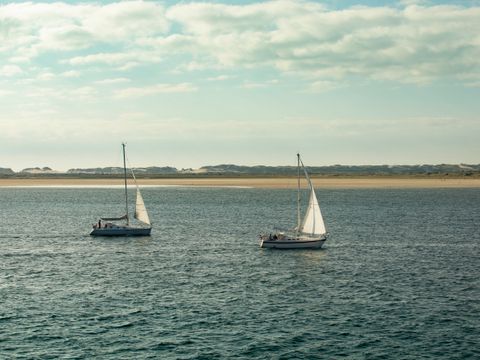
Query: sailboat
x,y
105,226
309,232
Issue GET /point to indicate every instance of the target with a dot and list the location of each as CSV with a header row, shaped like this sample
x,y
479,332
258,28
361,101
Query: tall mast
x,y
125,178
298,192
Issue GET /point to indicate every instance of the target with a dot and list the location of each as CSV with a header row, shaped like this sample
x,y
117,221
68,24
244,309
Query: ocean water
x,y
397,279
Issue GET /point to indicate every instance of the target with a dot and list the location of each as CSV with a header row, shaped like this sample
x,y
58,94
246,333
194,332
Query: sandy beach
x,y
254,182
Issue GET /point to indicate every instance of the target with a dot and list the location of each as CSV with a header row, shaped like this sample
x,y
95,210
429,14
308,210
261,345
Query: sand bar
x,y
272,183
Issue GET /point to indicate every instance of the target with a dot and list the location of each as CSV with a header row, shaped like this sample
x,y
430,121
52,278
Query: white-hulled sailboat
x,y
309,233
105,226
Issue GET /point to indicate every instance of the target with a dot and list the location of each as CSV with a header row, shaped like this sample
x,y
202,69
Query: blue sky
x,y
194,83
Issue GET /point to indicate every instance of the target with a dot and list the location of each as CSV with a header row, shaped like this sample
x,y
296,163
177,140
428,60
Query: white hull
x,y
293,243
309,233
121,231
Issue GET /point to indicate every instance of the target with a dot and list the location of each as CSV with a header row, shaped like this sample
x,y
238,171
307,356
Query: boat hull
x,y
121,231
293,243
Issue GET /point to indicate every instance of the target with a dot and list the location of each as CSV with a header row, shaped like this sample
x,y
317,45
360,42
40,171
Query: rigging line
x,y
125,177
136,184
131,170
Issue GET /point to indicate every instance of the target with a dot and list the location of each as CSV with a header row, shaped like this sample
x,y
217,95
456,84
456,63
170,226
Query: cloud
x,y
323,86
5,92
45,76
70,74
111,22
413,2
412,42
86,92
29,29
123,60
127,20
10,70
257,85
112,81
219,78
134,92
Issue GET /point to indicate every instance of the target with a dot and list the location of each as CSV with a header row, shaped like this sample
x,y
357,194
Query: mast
x,y
125,178
298,192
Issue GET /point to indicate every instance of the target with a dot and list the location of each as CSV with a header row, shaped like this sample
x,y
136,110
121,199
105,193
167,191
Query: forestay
x,y
140,209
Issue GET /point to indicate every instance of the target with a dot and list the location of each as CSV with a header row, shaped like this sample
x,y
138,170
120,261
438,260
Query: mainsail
x,y
140,209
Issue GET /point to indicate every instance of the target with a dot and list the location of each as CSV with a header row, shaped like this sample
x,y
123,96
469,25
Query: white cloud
x,y
10,70
219,78
122,59
64,38
55,96
414,42
5,92
413,2
45,76
126,20
323,86
133,92
70,74
84,92
256,85
112,81
19,59
30,29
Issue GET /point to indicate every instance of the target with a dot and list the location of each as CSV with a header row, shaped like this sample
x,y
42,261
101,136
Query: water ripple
x,y
398,279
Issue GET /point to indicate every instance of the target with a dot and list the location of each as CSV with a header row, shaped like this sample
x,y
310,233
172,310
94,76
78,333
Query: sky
x,y
193,83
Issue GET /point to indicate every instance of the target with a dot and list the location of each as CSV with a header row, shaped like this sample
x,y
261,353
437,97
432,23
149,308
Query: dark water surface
x,y
397,279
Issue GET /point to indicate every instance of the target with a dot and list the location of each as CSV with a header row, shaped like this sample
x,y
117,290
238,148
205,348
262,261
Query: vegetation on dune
x,y
231,171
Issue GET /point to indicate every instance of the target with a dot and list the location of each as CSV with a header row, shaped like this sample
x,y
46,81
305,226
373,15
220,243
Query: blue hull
x,y
121,231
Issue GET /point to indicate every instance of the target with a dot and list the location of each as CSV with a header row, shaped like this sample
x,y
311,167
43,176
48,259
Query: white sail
x,y
140,209
313,220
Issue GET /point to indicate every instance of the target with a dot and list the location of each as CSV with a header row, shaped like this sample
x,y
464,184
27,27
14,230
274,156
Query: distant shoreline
x,y
253,182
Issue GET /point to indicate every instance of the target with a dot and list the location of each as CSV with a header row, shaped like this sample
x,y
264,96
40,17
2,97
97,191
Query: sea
x,y
398,277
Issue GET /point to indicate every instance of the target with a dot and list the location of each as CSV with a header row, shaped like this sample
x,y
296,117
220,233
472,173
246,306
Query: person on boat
x,y
100,223
275,237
